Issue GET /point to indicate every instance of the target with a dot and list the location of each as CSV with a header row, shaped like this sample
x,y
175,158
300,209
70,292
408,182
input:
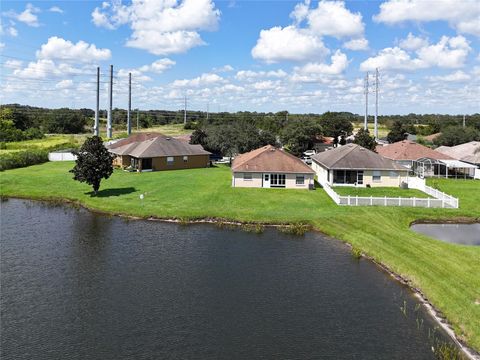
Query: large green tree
x,y
93,163
300,136
456,135
397,133
363,138
337,124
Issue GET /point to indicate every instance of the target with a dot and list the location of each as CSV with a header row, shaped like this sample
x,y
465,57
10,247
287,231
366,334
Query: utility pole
x,y
286,116
96,130
365,85
109,115
208,105
376,104
185,111
129,125
137,119
464,120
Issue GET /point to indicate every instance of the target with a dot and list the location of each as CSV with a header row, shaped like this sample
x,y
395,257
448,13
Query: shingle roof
x,y
269,159
135,138
355,157
408,150
155,146
469,152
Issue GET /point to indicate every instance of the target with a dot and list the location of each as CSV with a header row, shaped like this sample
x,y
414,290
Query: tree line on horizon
x,y
297,131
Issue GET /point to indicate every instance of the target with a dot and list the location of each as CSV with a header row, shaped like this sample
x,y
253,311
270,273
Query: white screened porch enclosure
x,y
347,177
452,169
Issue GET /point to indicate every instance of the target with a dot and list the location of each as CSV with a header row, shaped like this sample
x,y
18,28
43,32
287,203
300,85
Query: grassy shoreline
x,y
447,274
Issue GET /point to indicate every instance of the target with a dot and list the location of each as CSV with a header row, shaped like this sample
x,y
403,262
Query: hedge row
x,y
18,159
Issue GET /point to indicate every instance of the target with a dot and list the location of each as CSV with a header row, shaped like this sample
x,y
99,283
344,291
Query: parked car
x,y
309,153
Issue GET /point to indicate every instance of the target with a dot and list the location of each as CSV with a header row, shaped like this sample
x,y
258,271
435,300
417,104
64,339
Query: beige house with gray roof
x,y
155,152
353,165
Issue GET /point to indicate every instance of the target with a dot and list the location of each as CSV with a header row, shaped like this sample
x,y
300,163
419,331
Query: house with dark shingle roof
x,y
354,165
154,151
269,167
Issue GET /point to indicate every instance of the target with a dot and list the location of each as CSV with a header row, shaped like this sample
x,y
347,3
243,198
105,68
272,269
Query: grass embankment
x,y
382,129
379,191
169,130
448,274
47,142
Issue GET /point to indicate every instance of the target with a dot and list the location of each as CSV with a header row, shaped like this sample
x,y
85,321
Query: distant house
x,y
354,165
422,160
154,151
467,153
269,167
432,137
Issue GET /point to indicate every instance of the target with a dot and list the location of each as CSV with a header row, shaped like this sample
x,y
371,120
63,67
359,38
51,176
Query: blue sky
x,y
298,56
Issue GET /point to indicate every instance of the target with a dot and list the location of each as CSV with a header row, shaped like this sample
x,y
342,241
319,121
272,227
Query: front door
x,y
266,180
360,177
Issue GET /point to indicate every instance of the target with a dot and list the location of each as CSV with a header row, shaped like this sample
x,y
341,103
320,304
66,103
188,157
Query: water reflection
x,y
77,285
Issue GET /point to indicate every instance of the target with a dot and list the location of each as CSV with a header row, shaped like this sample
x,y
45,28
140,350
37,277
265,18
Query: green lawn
x,y
379,191
169,129
382,129
448,274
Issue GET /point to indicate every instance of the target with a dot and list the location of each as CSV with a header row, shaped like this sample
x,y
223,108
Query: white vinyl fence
x,y
440,200
61,156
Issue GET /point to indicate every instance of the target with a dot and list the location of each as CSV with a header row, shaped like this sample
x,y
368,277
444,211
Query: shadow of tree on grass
x,y
112,192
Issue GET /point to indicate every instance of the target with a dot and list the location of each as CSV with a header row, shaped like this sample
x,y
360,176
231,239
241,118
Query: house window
x,y
277,180
267,177
393,174
300,180
170,160
247,177
376,176
185,158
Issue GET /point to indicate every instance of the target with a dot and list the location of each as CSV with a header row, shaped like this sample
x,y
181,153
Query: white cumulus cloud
x,y
412,42
160,27
457,76
463,16
158,66
61,49
289,43
28,16
56,9
449,52
356,44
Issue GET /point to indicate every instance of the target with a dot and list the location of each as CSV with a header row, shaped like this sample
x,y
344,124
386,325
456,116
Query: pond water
x,y
465,234
76,285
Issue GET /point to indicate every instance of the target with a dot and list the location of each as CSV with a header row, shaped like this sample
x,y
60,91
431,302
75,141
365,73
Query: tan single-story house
x,y
154,152
353,165
269,167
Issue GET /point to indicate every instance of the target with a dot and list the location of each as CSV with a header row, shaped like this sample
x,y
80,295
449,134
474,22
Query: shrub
x,y
29,157
22,158
298,229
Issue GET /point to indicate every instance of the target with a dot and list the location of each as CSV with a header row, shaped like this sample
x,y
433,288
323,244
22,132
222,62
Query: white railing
x,y
335,197
439,200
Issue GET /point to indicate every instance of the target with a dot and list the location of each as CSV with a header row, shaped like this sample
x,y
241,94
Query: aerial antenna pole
x,y
376,103
96,130
129,125
110,95
365,125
